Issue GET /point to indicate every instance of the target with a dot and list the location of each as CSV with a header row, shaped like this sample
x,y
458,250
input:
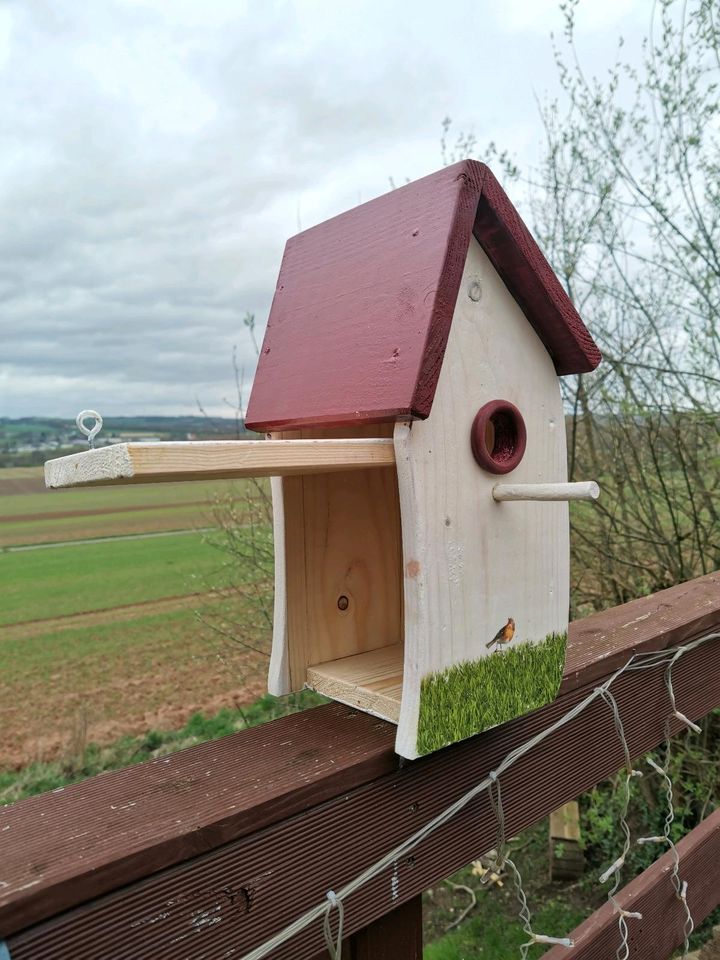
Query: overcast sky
x,y
156,154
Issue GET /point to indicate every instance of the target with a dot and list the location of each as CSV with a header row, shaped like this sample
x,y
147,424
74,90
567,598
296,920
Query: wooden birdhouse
x,y
408,387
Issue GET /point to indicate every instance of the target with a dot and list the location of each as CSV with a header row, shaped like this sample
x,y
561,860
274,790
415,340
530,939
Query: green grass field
x,y
61,529
30,514
114,666
61,580
123,675
107,498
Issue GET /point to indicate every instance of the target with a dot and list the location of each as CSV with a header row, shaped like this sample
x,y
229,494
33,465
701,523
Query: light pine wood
x,y
548,492
279,669
291,572
567,861
341,539
216,459
565,822
470,563
369,681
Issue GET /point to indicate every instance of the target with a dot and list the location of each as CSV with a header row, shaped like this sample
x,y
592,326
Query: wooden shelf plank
x,y
371,681
214,460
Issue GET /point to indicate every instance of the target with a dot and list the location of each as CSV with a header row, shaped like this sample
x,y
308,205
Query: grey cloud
x,y
155,156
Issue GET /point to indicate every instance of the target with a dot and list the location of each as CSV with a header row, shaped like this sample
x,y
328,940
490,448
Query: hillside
x,y
26,441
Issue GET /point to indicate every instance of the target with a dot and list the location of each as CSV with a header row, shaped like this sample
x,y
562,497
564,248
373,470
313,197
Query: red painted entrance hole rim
x,y
498,436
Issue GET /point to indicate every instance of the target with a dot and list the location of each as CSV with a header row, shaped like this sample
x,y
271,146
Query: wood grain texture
x,y
471,563
215,459
369,681
565,822
396,936
64,849
380,284
538,492
660,932
601,643
279,670
567,861
252,887
341,539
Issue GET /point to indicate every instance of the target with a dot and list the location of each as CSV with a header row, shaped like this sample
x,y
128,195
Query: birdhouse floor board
x,y
215,460
371,681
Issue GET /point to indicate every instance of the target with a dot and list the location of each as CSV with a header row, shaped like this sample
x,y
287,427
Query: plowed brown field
x,y
95,676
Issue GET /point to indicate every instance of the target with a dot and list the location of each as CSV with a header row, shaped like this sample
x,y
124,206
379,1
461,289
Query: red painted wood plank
x,y
364,303
660,932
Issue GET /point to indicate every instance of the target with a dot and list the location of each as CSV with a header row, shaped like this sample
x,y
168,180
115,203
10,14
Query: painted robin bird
x,y
504,634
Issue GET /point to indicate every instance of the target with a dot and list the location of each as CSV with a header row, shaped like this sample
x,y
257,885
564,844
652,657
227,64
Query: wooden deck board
x,y
263,809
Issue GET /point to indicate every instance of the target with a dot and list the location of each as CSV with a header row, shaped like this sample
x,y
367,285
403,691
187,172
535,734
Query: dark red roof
x,y
364,303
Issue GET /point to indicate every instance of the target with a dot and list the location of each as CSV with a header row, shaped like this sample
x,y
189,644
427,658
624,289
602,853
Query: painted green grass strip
x,y
472,696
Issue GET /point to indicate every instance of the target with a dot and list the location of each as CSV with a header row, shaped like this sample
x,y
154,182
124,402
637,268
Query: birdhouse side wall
x,y
470,563
338,564
279,684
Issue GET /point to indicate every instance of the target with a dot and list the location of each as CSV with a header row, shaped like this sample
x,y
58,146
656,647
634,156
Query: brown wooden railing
x,y
209,852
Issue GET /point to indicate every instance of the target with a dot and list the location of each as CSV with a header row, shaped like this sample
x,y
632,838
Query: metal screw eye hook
x,y
90,432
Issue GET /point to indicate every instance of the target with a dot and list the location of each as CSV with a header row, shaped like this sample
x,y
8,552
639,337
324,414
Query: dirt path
x,y
20,548
98,511
130,611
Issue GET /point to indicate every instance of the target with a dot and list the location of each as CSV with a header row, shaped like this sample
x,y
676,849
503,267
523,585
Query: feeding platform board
x,y
212,459
408,391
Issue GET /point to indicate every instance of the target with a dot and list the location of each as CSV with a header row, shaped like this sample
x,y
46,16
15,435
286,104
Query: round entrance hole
x,y
498,436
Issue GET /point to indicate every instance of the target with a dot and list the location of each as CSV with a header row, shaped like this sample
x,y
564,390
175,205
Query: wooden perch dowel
x,y
214,459
587,490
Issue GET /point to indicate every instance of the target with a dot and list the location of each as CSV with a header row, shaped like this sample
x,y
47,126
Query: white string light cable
x,y
334,900
671,692
615,869
666,838
334,944
502,861
679,885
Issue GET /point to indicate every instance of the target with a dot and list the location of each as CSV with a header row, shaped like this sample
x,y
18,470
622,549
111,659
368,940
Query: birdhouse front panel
x,y
486,583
